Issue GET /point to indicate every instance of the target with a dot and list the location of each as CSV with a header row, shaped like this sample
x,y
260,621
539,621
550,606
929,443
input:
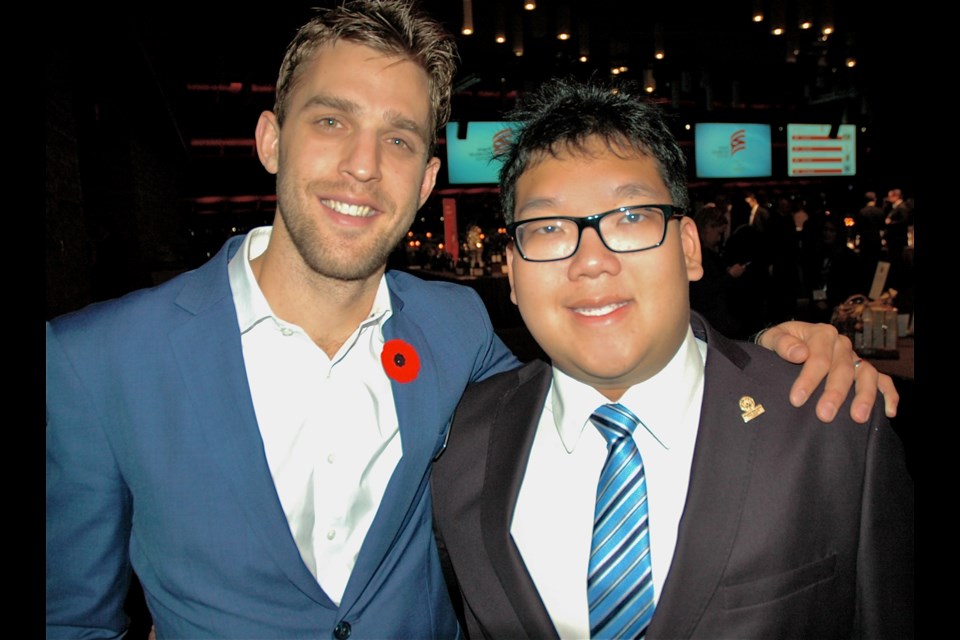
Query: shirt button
x,y
342,631
286,331
331,458
331,534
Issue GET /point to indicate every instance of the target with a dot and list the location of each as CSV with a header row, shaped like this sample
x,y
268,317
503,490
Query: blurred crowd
x,y
774,257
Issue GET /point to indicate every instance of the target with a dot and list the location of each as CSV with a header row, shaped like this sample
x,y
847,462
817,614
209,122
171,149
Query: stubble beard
x,y
347,262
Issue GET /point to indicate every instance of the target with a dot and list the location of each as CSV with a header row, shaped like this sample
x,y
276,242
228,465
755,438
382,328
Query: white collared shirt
x,y
329,425
553,521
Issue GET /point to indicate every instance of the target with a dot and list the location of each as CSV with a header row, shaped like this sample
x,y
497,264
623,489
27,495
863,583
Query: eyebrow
x,y
394,118
534,205
636,189
629,189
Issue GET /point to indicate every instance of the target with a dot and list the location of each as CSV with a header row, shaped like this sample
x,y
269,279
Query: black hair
x,y
563,115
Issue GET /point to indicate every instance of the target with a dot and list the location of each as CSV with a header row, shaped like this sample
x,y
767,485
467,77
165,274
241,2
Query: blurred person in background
x,y
710,294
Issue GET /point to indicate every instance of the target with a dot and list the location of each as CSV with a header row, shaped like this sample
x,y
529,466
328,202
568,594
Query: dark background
x,y
150,110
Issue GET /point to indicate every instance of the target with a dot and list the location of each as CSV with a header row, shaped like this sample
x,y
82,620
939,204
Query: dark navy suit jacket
x,y
155,463
792,528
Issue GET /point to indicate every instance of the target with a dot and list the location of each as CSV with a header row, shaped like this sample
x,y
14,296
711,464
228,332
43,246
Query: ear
x,y
690,241
429,179
268,141
511,256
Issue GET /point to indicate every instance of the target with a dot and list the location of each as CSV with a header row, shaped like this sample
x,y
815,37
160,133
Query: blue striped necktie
x,y
619,581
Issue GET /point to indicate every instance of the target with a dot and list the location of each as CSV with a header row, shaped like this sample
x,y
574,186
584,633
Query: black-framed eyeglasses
x,y
622,230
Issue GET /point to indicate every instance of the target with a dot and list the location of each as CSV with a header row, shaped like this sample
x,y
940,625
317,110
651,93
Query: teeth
x,y
355,210
600,311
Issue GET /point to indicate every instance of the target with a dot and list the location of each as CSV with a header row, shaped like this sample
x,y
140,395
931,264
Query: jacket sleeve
x,y
88,511
885,606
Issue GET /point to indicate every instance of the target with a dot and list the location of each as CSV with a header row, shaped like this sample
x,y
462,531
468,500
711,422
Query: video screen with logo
x,y
470,159
732,150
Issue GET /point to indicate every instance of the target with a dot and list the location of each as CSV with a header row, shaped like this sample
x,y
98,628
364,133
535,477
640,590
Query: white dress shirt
x,y
553,522
329,425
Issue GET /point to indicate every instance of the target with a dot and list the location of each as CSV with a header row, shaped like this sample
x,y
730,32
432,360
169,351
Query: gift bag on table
x,y
870,324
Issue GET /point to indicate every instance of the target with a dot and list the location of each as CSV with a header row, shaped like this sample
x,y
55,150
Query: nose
x,y
592,258
361,157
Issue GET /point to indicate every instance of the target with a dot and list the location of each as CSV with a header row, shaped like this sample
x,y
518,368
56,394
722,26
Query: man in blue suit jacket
x,y
153,446
178,443
161,427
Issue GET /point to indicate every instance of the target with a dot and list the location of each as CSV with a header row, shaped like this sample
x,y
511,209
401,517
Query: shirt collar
x,y
252,306
659,402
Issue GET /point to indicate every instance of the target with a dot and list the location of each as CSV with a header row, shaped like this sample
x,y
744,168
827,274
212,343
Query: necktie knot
x,y
614,422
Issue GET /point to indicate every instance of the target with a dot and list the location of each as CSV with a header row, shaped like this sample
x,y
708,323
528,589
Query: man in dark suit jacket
x,y
750,245
759,216
761,521
870,221
898,221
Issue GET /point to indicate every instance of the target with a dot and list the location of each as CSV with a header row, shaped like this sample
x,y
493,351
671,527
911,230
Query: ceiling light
x,y
467,17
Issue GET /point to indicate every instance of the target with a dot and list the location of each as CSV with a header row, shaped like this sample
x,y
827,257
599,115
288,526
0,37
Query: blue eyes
x,y
329,123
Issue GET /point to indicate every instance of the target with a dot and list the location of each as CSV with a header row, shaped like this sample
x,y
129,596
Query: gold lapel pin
x,y
749,408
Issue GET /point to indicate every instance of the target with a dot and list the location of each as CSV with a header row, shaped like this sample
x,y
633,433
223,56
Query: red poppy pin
x,y
400,361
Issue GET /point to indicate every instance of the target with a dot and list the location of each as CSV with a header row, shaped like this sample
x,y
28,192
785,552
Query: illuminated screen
x,y
811,152
732,150
470,160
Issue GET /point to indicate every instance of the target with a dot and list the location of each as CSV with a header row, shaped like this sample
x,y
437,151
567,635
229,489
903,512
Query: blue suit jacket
x,y
155,463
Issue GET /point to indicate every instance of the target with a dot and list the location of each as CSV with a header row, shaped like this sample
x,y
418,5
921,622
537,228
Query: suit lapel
x,y
210,355
417,407
510,439
719,477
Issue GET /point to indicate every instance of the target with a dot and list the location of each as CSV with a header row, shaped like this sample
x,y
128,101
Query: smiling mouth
x,y
352,210
599,311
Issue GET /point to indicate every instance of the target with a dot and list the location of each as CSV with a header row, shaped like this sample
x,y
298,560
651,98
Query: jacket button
x,y
342,631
